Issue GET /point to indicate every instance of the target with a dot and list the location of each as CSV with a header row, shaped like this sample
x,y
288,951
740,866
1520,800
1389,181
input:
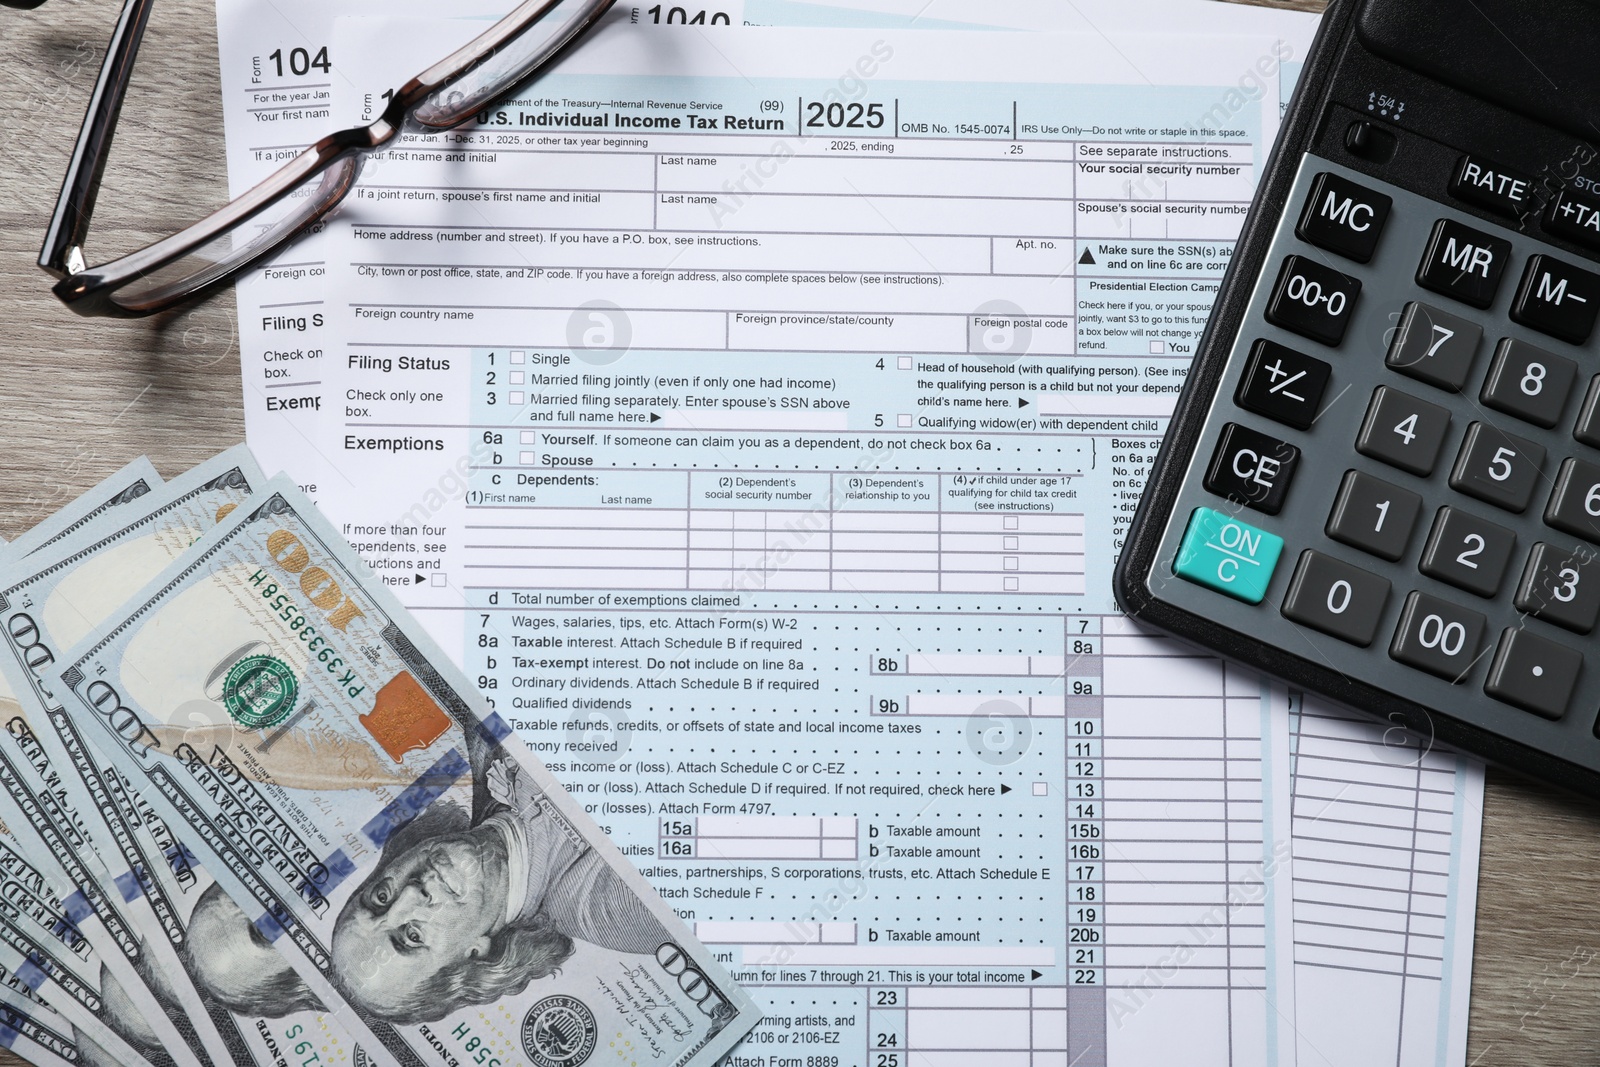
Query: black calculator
x,y
1382,480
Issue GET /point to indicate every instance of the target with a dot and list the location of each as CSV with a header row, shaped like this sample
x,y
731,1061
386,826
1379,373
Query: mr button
x,y
1463,263
1251,468
1227,555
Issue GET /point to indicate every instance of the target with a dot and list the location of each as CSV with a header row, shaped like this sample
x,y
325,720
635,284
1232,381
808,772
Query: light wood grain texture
x,y
78,398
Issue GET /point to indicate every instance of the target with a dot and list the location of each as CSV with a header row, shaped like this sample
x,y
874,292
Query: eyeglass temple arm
x,y
61,254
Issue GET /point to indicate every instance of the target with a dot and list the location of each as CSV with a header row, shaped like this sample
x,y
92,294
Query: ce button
x,y
1252,469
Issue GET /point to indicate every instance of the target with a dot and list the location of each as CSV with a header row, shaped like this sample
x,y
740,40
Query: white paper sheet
x,y
279,75
1387,829
684,546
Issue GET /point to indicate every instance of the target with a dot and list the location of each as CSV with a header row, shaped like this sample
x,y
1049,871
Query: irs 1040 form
x,y
754,413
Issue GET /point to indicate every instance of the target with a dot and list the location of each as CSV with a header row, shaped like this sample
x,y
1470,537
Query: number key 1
x,y
1374,516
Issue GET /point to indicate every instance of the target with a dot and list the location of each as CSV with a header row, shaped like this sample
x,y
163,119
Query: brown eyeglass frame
x,y
336,157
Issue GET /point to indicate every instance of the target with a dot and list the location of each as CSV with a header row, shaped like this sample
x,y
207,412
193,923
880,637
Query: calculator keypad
x,y
1416,372
1438,636
1463,263
1373,515
1252,469
1561,587
1344,217
1330,595
1558,299
1574,506
1533,673
1468,552
1283,385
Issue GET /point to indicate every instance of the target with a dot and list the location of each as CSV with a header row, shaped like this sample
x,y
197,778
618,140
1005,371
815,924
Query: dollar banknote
x,y
47,953
47,765
50,587
31,1028
369,811
129,483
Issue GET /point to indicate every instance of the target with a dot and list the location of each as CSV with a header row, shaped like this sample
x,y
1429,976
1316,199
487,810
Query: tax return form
x,y
1353,914
279,75
655,555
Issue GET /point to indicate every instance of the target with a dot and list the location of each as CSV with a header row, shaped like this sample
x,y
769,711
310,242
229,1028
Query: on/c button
x,y
1232,557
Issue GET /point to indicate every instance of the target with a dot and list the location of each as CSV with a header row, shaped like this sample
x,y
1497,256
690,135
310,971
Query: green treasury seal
x,y
559,1032
259,691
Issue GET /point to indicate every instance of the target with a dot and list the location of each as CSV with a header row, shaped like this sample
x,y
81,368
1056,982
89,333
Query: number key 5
x,y
1497,467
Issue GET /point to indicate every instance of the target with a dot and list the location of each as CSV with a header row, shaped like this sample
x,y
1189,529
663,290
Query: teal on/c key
x,y
1232,557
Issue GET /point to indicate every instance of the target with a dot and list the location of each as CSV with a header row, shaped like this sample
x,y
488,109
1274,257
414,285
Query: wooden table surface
x,y
80,397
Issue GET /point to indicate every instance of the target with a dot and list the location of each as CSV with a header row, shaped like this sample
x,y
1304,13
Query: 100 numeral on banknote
x,y
438,887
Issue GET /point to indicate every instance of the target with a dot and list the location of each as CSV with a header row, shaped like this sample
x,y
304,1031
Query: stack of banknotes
x,y
251,814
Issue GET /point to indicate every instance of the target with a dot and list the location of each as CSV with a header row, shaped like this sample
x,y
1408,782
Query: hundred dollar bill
x,y
48,955
31,1028
43,762
48,599
367,807
129,483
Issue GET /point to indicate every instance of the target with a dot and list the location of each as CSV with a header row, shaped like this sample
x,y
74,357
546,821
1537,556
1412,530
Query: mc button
x,y
1251,468
1232,557
1343,217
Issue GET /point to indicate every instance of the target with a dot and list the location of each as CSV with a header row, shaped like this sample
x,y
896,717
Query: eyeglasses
x,y
206,255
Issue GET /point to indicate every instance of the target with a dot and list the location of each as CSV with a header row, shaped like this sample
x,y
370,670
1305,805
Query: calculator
x,y
1381,482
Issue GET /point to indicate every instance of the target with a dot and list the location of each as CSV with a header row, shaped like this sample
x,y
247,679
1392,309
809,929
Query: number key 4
x,y
1403,431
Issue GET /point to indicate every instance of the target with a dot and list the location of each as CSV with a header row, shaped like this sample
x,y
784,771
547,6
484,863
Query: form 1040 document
x,y
754,413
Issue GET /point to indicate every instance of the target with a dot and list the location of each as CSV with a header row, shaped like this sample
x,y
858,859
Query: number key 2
x,y
1312,300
